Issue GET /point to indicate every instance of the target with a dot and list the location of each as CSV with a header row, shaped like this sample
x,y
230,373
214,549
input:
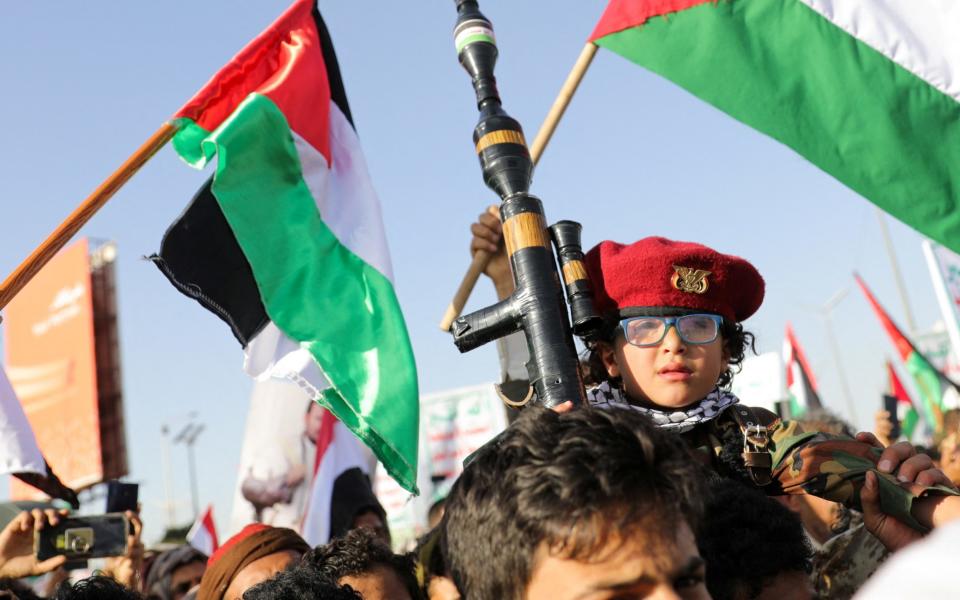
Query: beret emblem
x,y
690,280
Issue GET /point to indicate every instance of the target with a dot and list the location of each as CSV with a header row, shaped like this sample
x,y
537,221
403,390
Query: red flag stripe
x,y
800,357
624,14
209,525
281,62
903,345
324,438
896,387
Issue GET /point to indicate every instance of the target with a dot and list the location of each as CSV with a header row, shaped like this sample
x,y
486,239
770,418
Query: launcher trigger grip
x,y
513,403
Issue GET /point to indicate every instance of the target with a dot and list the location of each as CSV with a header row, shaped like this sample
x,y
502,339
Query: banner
x,y
453,425
50,358
276,462
761,382
944,267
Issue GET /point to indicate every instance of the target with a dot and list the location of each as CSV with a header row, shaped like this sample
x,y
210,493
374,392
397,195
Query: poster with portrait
x,y
277,458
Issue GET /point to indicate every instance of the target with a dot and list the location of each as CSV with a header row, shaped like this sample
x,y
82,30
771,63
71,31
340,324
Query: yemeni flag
x,y
868,91
286,242
936,391
339,458
906,412
801,385
203,533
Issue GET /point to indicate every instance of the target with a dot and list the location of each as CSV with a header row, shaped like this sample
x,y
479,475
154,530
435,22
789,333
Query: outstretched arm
x,y
836,468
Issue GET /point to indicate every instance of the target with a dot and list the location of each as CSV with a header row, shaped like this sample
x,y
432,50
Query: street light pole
x,y
167,477
188,436
825,311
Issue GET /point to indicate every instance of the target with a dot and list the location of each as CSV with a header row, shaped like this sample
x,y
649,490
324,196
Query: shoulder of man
x,y
845,562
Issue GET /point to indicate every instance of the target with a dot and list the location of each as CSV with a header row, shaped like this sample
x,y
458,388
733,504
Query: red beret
x,y
656,271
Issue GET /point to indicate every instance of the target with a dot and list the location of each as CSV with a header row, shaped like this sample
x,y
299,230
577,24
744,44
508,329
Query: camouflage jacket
x,y
843,564
829,466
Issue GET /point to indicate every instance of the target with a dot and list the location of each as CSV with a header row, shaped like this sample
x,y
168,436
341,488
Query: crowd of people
x,y
662,485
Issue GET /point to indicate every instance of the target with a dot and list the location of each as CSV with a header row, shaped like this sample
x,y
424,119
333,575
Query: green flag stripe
x,y
316,290
928,386
783,69
908,422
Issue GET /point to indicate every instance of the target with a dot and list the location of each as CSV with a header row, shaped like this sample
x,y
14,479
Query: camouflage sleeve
x,y
834,468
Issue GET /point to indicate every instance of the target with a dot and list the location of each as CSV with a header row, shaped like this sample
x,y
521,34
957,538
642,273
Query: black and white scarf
x,y
679,420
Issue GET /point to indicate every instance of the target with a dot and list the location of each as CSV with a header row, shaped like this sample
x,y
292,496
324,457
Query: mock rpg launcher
x,y
537,305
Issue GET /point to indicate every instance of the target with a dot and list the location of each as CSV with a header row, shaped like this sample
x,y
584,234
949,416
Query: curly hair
x,y
302,581
736,342
572,483
358,553
97,587
747,540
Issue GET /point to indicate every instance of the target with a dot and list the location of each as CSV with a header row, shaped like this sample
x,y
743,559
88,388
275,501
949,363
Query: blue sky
x,y
85,83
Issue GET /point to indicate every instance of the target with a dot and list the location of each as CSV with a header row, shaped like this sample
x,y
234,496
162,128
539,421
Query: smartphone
x,y
890,405
80,538
122,496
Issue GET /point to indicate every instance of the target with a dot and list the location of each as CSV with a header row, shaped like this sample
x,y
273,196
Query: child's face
x,y
672,374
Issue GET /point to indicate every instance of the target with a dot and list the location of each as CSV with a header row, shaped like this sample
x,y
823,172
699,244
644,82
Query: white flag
x,y
19,452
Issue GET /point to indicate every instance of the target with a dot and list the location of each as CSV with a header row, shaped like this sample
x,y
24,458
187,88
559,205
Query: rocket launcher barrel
x,y
537,306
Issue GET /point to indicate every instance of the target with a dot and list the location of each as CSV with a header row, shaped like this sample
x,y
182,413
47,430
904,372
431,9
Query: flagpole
x,y
897,277
482,257
78,218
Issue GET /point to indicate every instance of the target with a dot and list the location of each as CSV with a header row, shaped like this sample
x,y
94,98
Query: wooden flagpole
x,y
94,202
481,258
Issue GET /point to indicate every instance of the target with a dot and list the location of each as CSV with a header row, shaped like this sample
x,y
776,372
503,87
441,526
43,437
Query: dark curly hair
x,y
736,342
97,587
301,581
359,552
570,482
747,540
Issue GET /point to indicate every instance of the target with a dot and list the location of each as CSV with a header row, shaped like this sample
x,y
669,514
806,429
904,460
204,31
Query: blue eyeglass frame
x,y
671,322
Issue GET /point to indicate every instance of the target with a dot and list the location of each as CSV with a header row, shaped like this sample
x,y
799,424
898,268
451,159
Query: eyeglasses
x,y
650,331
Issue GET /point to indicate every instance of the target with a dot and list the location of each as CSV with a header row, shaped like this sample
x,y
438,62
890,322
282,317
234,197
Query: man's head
x,y
589,504
755,548
950,457
255,554
97,587
359,559
355,506
300,582
313,421
174,572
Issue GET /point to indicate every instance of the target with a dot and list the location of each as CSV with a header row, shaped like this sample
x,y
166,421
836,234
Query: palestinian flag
x,y
932,385
867,91
801,385
286,243
906,412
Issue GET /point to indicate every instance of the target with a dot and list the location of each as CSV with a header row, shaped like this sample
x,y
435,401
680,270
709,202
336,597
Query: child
x,y
673,335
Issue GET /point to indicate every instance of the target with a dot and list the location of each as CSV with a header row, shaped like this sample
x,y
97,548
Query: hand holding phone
x,y
17,558
81,538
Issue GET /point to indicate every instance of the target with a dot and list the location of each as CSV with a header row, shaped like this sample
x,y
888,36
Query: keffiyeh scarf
x,y
680,420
